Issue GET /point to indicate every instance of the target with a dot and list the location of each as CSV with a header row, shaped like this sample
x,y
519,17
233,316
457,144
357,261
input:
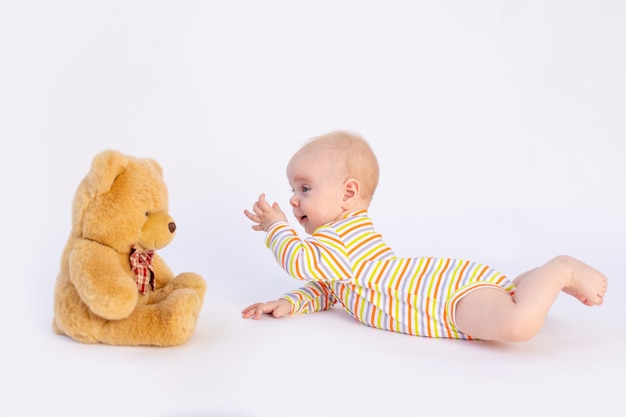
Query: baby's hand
x,y
264,214
278,308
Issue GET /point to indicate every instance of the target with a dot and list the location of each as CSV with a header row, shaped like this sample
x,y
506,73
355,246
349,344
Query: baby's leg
x,y
491,314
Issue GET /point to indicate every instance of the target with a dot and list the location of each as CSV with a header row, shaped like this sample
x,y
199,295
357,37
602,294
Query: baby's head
x,y
331,176
349,156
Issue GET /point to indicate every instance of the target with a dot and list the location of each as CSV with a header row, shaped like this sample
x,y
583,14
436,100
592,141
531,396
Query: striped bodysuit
x,y
347,262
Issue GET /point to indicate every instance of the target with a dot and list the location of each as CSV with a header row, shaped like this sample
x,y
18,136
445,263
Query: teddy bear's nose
x,y
172,227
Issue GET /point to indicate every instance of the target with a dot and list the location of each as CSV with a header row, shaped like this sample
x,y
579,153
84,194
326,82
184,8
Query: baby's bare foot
x,y
587,284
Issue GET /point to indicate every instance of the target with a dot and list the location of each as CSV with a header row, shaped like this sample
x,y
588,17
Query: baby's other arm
x,y
277,308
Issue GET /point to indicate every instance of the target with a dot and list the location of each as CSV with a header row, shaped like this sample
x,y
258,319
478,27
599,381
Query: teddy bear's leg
x,y
168,323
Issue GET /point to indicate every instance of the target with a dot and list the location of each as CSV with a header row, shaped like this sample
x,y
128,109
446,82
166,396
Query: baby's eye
x,y
305,188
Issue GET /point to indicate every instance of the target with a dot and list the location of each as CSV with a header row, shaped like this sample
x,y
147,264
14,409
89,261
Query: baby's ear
x,y
351,193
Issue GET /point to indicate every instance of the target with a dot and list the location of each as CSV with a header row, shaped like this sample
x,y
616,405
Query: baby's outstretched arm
x,y
277,308
264,214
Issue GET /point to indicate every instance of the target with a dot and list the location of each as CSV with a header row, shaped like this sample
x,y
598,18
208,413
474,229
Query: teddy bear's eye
x,y
146,214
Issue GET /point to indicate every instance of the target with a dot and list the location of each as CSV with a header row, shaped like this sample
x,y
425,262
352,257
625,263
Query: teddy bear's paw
x,y
193,281
179,314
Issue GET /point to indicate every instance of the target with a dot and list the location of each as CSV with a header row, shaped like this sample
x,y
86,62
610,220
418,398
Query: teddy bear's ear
x,y
156,165
105,167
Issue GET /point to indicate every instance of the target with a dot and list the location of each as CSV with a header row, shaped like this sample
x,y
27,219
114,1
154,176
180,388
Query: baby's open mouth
x,y
302,219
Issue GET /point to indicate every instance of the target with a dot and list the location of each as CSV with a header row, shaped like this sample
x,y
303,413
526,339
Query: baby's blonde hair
x,y
353,149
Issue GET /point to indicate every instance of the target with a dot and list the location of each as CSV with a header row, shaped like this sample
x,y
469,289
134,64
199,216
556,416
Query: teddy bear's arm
x,y
104,284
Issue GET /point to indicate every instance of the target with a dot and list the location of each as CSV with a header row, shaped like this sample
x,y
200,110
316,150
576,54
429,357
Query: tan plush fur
x,y
122,202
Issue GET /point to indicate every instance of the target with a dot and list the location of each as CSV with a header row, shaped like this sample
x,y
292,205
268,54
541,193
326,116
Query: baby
x,y
346,261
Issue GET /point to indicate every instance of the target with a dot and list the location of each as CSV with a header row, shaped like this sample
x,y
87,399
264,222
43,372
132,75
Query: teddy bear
x,y
112,287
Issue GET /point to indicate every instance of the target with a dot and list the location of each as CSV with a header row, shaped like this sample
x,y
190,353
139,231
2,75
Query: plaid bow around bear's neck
x,y
141,265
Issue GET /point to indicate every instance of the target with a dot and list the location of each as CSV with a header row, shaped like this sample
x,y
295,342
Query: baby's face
x,y
317,181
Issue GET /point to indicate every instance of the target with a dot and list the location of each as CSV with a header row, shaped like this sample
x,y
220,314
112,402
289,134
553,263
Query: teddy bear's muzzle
x,y
158,231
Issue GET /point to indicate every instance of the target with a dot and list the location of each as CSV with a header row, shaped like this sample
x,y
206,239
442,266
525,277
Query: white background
x,y
500,129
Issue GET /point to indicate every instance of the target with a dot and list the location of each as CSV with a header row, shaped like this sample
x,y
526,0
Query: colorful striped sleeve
x,y
311,298
321,257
